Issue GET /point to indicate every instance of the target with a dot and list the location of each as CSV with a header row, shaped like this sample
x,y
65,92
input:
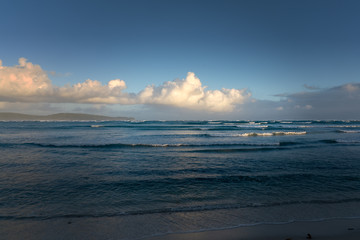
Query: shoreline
x,y
116,228
328,229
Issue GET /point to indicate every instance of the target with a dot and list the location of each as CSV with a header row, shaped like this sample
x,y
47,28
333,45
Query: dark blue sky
x,y
269,47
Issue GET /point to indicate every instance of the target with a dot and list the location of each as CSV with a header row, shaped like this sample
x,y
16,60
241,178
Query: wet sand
x,y
114,228
338,229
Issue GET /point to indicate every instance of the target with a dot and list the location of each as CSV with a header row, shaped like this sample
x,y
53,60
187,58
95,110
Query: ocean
x,y
160,177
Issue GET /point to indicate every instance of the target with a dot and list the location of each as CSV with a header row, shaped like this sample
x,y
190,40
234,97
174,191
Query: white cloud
x,y
308,107
92,91
189,93
351,87
27,82
24,81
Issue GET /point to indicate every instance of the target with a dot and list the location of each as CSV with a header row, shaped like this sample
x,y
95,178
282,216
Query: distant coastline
x,y
8,116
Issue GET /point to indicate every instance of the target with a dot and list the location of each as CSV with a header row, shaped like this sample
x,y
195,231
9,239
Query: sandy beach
x,y
337,229
114,228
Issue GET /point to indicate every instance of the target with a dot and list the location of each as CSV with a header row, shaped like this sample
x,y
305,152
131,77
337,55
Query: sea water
x,y
159,177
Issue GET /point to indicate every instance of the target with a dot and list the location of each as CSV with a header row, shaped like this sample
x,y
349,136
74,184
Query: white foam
x,y
344,126
289,133
349,131
346,141
253,134
211,122
252,126
258,134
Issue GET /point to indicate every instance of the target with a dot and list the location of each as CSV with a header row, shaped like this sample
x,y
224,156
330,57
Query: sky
x,y
176,60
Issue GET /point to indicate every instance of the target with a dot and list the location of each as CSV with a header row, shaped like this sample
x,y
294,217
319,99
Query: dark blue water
x,y
180,175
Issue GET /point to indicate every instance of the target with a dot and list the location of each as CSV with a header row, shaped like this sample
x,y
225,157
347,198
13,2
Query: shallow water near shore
x,y
179,176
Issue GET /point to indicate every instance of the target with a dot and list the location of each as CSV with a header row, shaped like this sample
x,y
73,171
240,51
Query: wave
x,y
289,133
110,145
129,145
222,128
258,134
223,150
341,141
253,126
330,141
348,141
200,147
97,126
184,209
343,126
348,131
213,147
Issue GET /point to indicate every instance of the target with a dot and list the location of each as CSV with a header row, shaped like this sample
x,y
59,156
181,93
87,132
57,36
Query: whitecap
x,y
349,131
289,133
97,126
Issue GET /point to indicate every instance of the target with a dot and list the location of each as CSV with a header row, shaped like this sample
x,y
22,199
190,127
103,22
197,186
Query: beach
x,y
336,229
110,228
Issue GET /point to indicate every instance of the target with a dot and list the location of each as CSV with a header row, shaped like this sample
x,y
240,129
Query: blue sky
x,y
274,50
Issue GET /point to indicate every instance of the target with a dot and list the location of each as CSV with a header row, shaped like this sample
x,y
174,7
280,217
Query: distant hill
x,y
7,116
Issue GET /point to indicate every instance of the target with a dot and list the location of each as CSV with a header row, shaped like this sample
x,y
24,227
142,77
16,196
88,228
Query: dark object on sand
x,y
308,236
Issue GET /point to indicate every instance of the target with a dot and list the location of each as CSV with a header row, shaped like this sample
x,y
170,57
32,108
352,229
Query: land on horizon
x,y
9,116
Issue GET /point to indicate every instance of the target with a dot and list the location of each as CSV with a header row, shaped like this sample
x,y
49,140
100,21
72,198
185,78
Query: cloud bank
x,y
340,102
27,85
27,82
337,102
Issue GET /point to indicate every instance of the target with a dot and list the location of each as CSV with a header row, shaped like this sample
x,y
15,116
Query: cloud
x,y
23,82
311,87
336,102
26,85
92,91
27,82
189,93
340,102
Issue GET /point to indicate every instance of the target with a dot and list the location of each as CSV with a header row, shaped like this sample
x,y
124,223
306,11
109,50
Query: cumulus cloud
x,y
189,93
92,91
24,81
27,82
